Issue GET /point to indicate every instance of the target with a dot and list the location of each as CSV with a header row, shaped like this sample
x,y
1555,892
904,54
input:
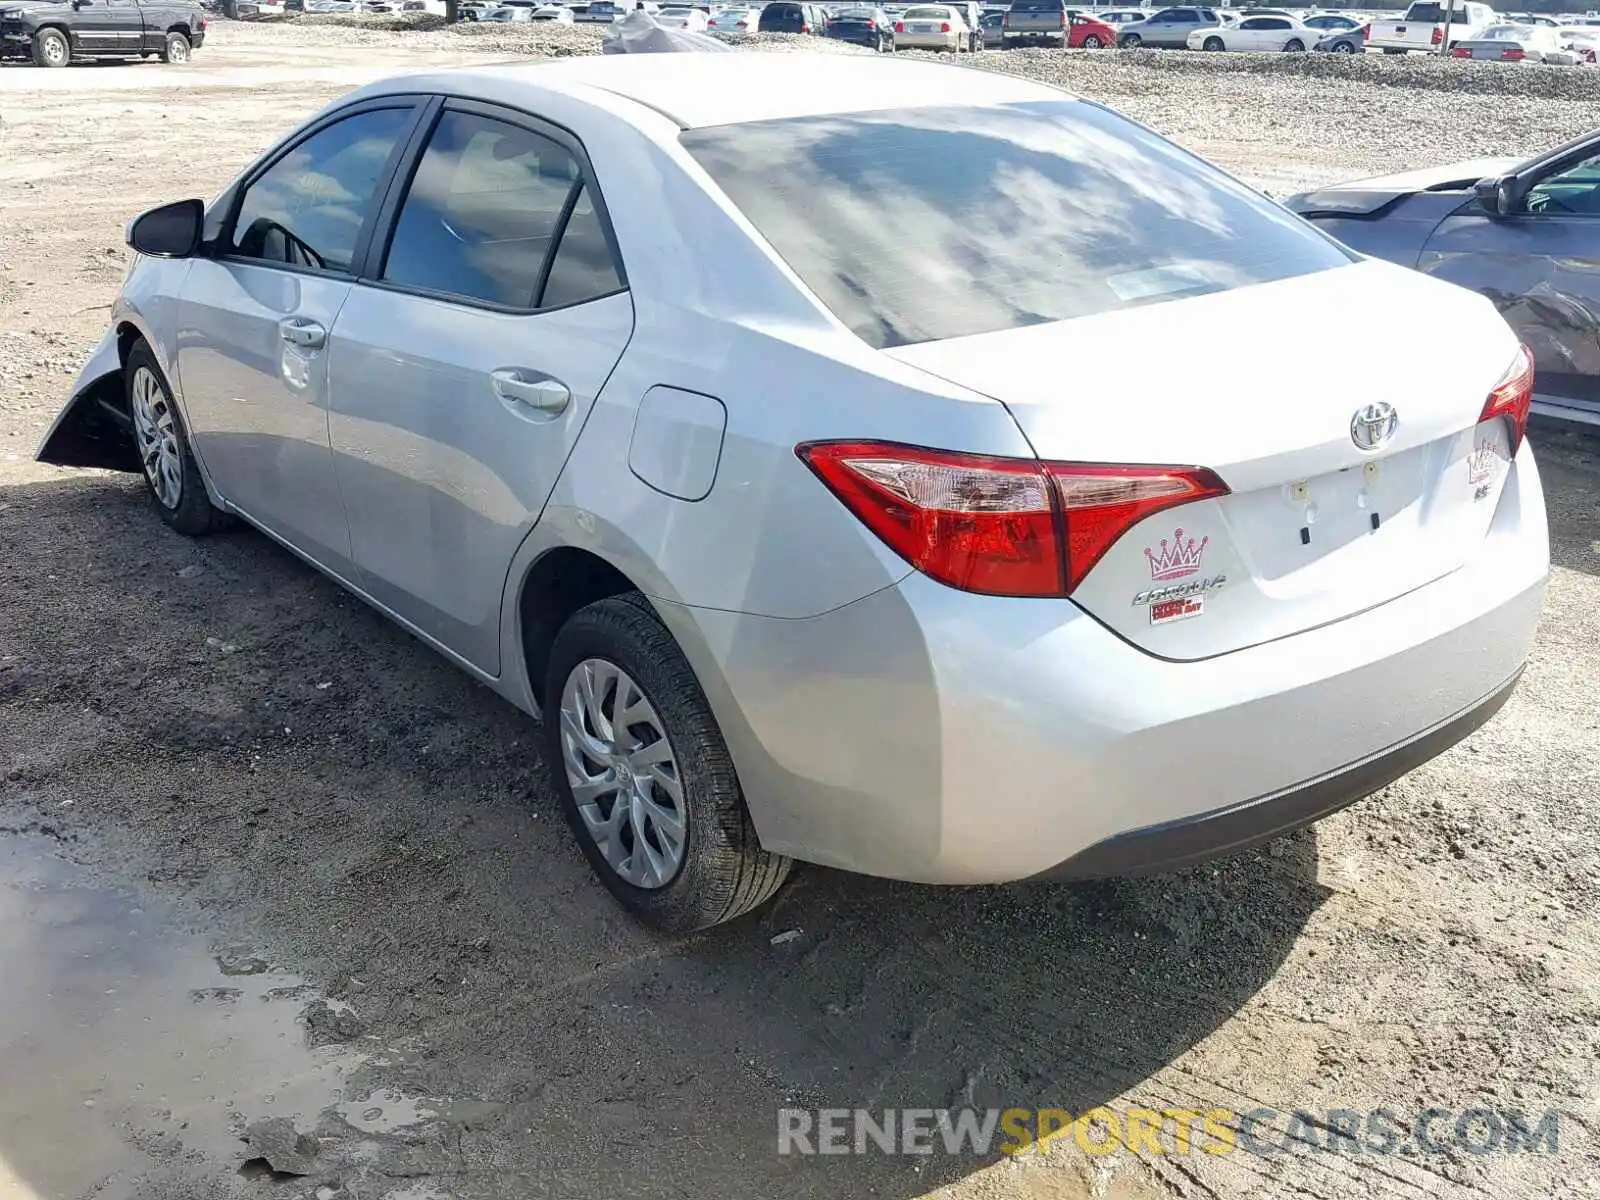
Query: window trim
x,y
387,221
222,247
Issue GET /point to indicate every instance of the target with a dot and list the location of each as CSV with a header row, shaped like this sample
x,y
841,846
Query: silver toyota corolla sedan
x,y
618,382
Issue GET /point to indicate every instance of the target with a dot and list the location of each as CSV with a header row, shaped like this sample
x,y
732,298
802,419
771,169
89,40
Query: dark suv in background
x,y
789,17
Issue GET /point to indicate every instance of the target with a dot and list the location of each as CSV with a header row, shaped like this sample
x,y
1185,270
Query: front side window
x,y
308,208
1023,214
1575,190
482,210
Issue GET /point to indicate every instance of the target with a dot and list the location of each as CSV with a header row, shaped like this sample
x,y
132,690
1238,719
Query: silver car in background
x,y
808,539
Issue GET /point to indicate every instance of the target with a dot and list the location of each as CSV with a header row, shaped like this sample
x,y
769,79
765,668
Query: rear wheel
x,y
1092,42
1213,43
1294,46
1343,48
176,49
1130,41
645,778
176,489
51,48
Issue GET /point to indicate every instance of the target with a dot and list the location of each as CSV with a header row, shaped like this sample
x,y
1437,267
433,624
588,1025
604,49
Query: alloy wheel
x,y
156,435
624,777
178,51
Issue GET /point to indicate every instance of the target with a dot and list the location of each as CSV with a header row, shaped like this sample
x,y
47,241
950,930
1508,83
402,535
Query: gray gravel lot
x,y
278,887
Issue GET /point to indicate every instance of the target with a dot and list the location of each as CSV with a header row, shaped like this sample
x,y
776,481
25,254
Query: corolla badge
x,y
1373,425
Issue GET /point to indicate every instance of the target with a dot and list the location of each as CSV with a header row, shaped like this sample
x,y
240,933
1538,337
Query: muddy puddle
x,y
138,1056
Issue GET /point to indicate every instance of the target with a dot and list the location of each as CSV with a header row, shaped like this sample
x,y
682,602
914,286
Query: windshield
x,y
1003,216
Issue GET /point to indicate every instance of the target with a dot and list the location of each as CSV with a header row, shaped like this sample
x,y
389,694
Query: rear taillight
x,y
1366,32
1063,20
805,29
944,27
1512,56
1512,398
872,27
1461,52
1438,35
899,26
1000,526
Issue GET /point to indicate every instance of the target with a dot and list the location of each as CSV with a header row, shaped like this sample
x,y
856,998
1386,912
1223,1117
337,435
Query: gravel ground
x,y
258,759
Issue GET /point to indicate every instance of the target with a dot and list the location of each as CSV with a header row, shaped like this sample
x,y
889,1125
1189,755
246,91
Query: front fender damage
x,y
94,429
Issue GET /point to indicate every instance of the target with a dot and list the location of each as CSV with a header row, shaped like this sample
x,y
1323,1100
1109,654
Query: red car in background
x,y
1088,33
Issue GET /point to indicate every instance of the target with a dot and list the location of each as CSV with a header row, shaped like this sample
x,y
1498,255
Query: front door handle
x,y
531,389
302,332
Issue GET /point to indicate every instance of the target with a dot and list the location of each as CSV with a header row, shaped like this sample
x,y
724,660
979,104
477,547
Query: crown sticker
x,y
1178,559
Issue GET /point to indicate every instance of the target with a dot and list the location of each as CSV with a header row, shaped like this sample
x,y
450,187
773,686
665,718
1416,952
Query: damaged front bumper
x,y
93,428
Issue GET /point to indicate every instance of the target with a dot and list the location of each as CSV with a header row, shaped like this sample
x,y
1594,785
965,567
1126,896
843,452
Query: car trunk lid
x,y
1315,527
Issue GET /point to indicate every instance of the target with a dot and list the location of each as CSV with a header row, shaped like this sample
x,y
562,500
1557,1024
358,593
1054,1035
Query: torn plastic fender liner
x,y
94,429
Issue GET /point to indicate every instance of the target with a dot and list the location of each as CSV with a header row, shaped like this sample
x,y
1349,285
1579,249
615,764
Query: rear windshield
x,y
1027,6
916,225
1433,14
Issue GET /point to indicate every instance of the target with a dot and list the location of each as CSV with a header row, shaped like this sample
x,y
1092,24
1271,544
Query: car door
x,y
256,311
1271,33
1541,267
464,364
92,26
124,25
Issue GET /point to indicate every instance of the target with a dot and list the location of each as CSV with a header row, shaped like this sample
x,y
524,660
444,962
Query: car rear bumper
x,y
1188,840
927,734
927,41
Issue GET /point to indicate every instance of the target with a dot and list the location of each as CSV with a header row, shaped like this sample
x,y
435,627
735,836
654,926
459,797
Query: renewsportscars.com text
x,y
1265,1131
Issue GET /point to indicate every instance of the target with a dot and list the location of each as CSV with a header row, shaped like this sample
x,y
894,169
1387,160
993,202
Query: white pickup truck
x,y
1422,28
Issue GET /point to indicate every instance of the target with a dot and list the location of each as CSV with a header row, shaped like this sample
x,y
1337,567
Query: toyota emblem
x,y
1373,425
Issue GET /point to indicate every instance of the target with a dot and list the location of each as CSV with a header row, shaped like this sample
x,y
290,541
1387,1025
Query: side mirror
x,y
171,231
1496,196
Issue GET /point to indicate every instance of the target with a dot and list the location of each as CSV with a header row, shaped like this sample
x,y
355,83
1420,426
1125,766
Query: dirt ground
x,y
269,868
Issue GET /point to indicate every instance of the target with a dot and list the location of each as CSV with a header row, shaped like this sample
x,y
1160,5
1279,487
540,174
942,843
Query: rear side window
x,y
584,267
482,211
1003,217
307,209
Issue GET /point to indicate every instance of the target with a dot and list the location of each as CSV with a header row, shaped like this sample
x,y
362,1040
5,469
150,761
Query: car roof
x,y
698,90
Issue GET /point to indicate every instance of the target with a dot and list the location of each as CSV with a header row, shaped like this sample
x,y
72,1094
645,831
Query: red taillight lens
x,y
1512,56
872,26
1461,52
1438,35
944,27
899,26
1000,526
1512,398
1366,32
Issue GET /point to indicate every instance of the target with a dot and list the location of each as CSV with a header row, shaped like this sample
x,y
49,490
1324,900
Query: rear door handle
x,y
531,389
302,332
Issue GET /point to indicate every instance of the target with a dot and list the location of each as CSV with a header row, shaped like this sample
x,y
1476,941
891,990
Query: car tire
x,y
721,869
1213,43
51,48
1294,46
1343,48
1130,41
1092,42
161,444
175,49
